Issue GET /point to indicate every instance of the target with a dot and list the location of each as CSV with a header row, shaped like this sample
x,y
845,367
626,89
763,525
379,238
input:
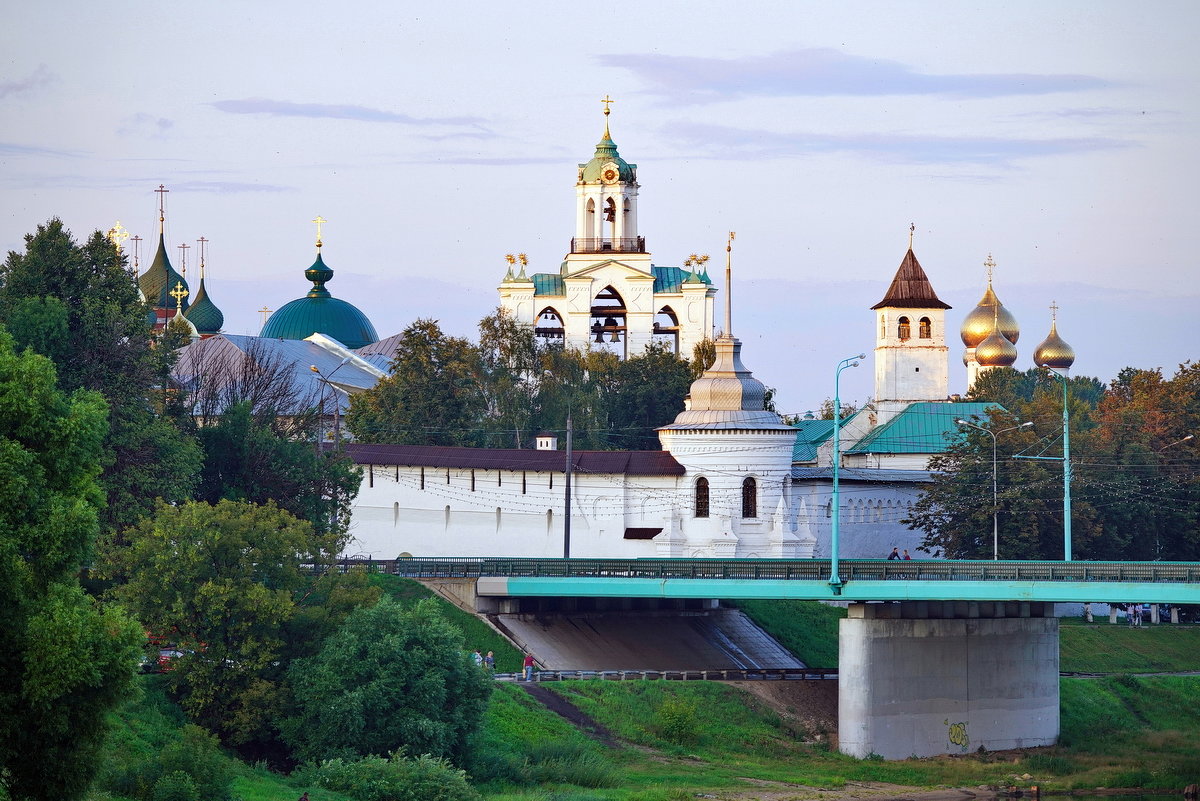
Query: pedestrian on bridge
x,y
895,554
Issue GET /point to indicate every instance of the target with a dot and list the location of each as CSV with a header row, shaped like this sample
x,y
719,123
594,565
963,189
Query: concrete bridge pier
x,y
921,678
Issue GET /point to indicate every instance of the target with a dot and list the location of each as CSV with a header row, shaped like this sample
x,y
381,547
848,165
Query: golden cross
x,y
137,243
1053,311
319,221
607,101
183,249
117,235
991,265
179,293
729,242
265,312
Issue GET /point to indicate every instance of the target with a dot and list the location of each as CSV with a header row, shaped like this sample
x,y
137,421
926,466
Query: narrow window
x,y
422,478
749,497
499,478
882,326
395,514
523,482
903,330
370,475
926,328
447,475
551,481
397,474
472,481
702,497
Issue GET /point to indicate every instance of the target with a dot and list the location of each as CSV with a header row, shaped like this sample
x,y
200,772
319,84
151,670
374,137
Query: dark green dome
x,y
318,312
606,153
158,281
204,314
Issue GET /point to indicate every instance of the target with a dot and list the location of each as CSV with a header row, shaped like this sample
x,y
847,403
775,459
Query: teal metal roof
x,y
606,153
926,427
671,279
548,284
318,312
809,436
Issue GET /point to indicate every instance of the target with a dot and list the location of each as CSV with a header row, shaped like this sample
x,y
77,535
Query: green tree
x,y
224,581
511,377
434,396
67,660
648,392
249,457
78,305
390,679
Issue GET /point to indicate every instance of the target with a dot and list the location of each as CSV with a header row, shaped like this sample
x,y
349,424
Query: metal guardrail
x,y
740,674
786,569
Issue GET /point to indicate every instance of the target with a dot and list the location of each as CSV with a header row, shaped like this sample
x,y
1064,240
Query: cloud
x,y
283,108
142,124
229,187
13,149
822,72
740,143
40,77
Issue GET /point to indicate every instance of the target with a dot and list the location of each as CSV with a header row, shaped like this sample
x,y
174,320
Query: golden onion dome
x,y
1054,351
978,323
996,350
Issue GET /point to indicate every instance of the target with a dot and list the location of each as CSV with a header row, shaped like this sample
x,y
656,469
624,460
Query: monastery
x,y
731,480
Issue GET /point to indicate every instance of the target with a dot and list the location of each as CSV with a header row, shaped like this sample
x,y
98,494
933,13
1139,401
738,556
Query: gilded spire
x,y
1054,352
179,293
912,229
183,249
729,284
989,312
521,257
137,251
607,101
202,242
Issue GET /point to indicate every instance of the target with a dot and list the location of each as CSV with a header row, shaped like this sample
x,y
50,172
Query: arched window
x,y
749,497
702,497
904,329
926,328
883,326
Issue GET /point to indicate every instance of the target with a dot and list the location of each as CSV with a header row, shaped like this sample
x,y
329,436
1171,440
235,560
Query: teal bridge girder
x,y
808,579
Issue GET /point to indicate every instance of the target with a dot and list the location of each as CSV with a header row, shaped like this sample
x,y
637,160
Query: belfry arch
x,y
548,326
610,328
666,328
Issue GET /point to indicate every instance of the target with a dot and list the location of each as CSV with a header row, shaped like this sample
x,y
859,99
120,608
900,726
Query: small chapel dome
x,y
1054,351
979,322
204,314
318,312
996,350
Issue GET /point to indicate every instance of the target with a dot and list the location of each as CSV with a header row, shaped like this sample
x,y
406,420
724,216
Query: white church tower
x,y
608,293
911,356
738,460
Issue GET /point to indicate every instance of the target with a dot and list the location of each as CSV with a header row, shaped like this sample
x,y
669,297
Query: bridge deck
x,y
864,579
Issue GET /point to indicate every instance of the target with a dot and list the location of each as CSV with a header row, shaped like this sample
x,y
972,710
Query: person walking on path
x,y
528,666
895,554
489,662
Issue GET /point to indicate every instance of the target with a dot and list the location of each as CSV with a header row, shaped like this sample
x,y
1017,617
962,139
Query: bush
x,y
197,754
175,786
677,721
396,778
570,763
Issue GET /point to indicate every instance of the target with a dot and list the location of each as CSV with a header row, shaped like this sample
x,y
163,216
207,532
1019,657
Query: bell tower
x,y
911,356
606,192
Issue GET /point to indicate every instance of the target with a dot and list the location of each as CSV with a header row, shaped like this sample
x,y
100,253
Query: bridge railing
x,y
782,569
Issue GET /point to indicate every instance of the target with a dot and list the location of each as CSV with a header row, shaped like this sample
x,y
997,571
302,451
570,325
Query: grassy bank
x,y
1106,648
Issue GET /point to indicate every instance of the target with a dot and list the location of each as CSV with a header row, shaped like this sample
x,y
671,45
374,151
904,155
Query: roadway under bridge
x,y
935,657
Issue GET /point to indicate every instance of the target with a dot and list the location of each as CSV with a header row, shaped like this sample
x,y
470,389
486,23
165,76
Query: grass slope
x,y
1105,648
806,628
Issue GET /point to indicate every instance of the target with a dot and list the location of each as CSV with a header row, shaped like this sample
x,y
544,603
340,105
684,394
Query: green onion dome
x,y
605,159
318,312
204,314
160,279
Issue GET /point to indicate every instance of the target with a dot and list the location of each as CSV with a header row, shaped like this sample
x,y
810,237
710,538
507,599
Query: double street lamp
x,y
835,580
995,504
334,390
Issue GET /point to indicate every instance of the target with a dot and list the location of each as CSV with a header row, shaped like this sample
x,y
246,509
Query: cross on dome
x,y
319,220
179,293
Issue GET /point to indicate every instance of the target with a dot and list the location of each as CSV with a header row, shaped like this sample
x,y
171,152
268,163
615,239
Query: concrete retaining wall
x,y
920,679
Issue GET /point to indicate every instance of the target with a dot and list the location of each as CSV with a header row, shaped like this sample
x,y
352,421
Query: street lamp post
x,y
995,502
835,580
324,379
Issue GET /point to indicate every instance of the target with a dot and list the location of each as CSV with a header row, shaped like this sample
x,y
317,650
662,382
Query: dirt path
x,y
570,713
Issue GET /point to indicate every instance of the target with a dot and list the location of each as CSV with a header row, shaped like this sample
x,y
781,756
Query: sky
x,y
1059,137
